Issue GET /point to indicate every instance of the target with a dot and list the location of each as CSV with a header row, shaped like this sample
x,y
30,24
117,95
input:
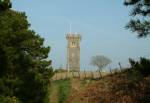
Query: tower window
x,y
73,43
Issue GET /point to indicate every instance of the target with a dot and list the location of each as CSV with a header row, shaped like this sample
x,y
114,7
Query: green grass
x,y
63,90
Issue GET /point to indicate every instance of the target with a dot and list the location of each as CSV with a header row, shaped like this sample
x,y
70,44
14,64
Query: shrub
x,y
142,66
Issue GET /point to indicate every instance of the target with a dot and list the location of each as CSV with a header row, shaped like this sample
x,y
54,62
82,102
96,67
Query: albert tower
x,y
73,52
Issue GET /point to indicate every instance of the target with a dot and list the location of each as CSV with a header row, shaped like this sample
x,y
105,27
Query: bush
x,y
142,66
9,99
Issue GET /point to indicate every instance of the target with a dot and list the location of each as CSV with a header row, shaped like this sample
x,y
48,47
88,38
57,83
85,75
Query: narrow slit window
x,y
73,43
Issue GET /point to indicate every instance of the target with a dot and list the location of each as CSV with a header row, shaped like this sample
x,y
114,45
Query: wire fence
x,y
95,74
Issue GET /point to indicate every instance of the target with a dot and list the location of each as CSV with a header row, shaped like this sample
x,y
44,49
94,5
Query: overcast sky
x,y
100,23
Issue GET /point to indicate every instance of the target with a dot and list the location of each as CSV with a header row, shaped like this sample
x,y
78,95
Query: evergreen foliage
x,y
24,68
141,66
140,11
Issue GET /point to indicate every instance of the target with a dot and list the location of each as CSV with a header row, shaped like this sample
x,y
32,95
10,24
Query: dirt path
x,y
54,94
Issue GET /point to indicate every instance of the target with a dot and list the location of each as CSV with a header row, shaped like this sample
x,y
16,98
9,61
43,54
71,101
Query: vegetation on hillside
x,y
130,85
142,66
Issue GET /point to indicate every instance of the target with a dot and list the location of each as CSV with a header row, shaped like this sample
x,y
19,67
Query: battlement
x,y
71,36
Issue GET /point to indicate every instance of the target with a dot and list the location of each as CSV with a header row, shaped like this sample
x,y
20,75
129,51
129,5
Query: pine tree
x,y
24,68
140,11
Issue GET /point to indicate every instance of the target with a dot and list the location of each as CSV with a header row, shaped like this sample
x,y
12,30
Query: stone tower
x,y
73,52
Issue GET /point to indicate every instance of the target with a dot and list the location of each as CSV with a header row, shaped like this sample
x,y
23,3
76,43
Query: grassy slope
x,y
116,88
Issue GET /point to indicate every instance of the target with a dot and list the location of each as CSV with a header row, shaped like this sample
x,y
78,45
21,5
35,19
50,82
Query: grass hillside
x,y
131,85
117,88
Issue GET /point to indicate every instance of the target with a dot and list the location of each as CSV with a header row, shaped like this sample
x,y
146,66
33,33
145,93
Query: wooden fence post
x,y
110,71
66,75
100,74
120,66
92,74
73,74
79,74
84,74
56,75
61,75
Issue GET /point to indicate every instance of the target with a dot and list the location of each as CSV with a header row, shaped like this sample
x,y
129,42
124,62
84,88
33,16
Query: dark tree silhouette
x,y
24,68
